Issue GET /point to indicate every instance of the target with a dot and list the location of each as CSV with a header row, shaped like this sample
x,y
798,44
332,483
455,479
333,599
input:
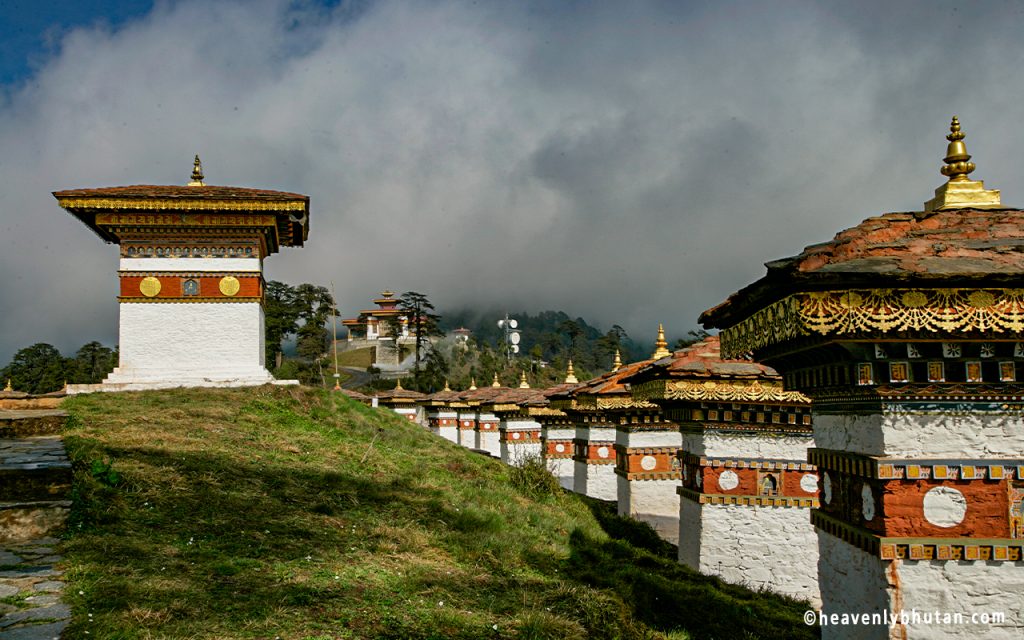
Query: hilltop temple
x,y
191,286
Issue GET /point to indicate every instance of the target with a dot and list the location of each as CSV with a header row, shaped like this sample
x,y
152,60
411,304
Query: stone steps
x,y
26,422
35,474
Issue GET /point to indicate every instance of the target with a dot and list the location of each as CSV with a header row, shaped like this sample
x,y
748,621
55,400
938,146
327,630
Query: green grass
x,y
361,358
296,513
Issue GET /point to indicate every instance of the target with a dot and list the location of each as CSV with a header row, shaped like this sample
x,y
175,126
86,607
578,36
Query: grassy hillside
x,y
295,513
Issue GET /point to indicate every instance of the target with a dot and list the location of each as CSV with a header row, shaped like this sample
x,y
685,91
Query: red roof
x,y
703,360
923,249
208,192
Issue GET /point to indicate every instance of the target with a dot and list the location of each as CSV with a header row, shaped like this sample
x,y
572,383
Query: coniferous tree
x,y
420,315
39,368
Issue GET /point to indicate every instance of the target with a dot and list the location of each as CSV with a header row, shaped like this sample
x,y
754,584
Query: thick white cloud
x,y
628,163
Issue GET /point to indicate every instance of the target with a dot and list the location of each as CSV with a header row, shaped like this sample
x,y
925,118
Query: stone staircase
x,y
35,474
35,488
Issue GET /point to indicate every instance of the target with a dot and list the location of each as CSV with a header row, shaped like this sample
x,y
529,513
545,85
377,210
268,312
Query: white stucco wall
x,y
191,264
636,439
967,587
550,433
516,453
187,344
691,530
449,432
564,470
652,501
771,447
938,433
770,547
595,434
467,437
852,581
595,480
489,442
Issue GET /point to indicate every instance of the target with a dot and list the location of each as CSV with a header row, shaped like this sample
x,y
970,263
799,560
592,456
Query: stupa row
x,y
854,436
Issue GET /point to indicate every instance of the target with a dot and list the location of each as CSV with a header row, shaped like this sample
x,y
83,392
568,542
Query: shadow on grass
x,y
642,568
217,544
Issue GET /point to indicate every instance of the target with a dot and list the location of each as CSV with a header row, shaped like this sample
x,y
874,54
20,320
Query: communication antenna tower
x,y
512,337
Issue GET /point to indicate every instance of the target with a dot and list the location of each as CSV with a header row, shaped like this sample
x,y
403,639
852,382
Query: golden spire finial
x,y
660,346
495,383
618,361
961,192
523,384
570,374
8,387
398,385
472,384
446,387
957,166
197,173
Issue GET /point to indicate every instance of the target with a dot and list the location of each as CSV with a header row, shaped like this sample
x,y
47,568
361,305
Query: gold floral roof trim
x,y
176,204
732,391
597,403
877,310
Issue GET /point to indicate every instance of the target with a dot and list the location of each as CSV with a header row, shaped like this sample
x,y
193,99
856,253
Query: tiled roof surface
x,y
209,192
399,394
895,249
703,360
610,383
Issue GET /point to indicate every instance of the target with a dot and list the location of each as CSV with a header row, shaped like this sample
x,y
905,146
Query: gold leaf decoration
x,y
877,311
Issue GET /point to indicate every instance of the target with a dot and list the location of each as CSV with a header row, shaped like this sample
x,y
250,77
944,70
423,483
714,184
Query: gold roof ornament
x,y
660,346
523,384
617,364
495,383
8,387
398,385
446,387
570,374
197,173
472,384
961,192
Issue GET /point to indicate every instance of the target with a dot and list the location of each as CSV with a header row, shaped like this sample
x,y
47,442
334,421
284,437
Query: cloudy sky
x,y
632,163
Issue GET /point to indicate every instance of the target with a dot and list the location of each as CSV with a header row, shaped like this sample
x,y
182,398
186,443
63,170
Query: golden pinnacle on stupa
x,y
660,346
398,385
523,384
617,364
8,387
446,387
570,374
472,384
960,192
495,382
197,173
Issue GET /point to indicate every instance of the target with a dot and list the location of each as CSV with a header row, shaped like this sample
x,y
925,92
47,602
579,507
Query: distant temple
x,y
191,277
373,324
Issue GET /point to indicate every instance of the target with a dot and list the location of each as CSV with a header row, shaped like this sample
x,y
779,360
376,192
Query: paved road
x,y
359,378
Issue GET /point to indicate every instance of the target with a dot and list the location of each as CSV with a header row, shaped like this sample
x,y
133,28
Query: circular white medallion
x,y
827,489
647,463
516,435
944,507
602,452
728,480
867,502
809,482
560,448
